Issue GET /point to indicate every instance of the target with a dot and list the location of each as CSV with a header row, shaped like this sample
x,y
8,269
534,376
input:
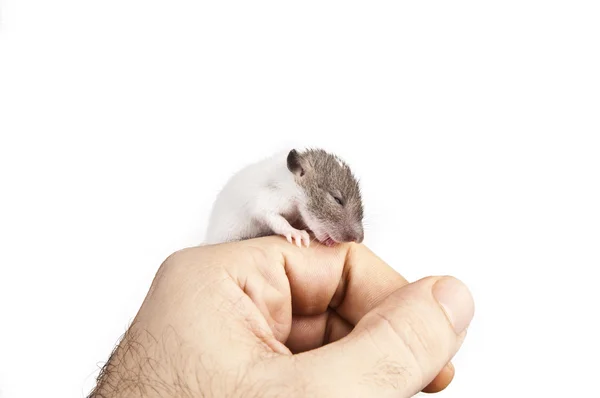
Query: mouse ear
x,y
295,163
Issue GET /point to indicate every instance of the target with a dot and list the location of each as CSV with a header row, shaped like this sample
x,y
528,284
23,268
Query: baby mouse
x,y
286,194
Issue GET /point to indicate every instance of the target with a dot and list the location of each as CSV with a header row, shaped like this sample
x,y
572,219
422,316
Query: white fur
x,y
258,200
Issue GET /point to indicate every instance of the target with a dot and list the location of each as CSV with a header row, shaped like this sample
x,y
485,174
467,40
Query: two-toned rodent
x,y
287,194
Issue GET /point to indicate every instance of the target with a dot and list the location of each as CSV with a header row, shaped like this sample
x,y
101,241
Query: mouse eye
x,y
337,197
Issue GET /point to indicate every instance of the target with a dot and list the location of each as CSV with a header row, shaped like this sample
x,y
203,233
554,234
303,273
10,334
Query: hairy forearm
x,y
144,366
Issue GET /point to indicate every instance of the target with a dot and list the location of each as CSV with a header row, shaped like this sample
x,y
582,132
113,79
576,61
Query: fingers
x,y
442,380
398,347
313,331
366,281
349,278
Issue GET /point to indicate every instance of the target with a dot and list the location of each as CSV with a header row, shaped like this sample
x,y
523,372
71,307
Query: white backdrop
x,y
474,127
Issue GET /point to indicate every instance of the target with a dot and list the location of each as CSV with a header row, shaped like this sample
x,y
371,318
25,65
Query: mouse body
x,y
290,193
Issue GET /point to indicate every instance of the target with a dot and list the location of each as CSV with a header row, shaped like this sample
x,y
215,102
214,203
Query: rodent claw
x,y
298,237
306,238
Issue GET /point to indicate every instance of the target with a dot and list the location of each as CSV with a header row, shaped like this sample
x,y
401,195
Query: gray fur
x,y
323,177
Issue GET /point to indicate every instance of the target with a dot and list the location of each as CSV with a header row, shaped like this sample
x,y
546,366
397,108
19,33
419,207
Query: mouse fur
x,y
289,194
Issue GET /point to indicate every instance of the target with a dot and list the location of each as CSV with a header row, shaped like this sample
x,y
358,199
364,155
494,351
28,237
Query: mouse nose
x,y
355,236
359,236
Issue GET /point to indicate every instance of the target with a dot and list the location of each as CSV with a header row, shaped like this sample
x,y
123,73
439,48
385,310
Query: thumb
x,y
398,347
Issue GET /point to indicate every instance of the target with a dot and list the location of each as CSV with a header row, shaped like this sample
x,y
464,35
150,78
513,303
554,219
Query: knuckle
x,y
257,253
178,259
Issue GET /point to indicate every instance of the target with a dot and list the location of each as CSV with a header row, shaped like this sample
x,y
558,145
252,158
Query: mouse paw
x,y
298,236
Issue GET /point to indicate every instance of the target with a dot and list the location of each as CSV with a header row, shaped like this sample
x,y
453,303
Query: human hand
x,y
265,318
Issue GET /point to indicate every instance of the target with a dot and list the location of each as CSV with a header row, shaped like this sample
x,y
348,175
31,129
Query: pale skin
x,y
265,318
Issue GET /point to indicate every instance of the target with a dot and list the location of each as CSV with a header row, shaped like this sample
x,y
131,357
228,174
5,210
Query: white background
x,y
474,127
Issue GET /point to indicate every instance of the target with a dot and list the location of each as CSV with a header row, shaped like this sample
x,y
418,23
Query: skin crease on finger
x,y
334,313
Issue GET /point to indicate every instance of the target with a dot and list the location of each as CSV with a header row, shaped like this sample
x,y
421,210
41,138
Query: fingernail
x,y
457,302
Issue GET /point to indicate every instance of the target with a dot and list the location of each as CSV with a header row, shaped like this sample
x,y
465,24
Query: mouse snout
x,y
354,235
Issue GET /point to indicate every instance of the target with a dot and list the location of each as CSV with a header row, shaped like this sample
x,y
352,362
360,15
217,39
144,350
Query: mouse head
x,y
332,206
